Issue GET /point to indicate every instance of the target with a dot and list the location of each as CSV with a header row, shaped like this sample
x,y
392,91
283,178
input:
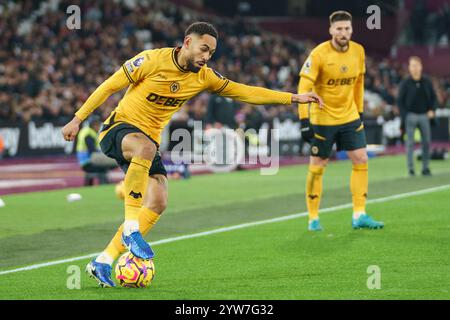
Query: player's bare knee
x,y
324,163
138,145
146,151
317,161
365,159
360,159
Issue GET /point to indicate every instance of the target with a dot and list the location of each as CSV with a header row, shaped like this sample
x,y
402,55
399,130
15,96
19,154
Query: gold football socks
x,y
135,186
314,190
147,219
359,185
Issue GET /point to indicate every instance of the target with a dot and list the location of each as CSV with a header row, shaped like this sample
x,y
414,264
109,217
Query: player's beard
x,y
191,66
342,42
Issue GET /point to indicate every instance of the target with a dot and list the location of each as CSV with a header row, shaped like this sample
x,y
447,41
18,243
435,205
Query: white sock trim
x,y
130,226
104,257
356,215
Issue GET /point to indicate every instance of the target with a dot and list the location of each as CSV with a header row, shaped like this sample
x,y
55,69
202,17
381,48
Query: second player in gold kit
x,y
335,70
159,82
338,77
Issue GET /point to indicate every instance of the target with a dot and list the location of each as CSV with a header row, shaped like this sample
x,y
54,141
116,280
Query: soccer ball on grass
x,y
133,272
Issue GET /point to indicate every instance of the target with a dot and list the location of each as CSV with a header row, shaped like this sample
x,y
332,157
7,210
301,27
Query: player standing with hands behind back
x,y
335,70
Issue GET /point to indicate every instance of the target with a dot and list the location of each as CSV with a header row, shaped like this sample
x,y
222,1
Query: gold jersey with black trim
x,y
158,87
337,77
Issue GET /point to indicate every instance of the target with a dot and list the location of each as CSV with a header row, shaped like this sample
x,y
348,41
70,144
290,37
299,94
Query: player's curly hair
x,y
202,28
340,15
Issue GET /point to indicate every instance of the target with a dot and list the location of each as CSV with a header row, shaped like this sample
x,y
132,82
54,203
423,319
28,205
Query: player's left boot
x,y
367,222
100,272
314,225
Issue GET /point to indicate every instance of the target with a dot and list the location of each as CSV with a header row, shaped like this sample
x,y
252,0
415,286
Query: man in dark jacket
x,y
417,102
221,112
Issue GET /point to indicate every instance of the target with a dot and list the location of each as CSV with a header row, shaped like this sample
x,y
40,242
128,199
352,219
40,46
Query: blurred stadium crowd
x,y
431,27
47,71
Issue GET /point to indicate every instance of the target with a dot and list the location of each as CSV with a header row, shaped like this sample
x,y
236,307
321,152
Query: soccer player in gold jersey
x,y
335,70
159,82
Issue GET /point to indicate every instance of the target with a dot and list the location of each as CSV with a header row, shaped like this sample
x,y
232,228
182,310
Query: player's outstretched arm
x,y
70,130
259,95
115,83
307,98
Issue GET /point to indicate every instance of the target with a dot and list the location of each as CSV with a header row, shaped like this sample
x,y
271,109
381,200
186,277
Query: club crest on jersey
x,y
344,68
138,61
174,87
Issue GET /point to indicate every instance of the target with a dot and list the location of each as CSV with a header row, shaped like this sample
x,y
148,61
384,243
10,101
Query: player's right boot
x,y
137,245
314,225
366,222
100,272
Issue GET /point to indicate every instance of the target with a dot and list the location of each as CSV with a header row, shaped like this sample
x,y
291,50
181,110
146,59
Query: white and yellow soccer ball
x,y
134,272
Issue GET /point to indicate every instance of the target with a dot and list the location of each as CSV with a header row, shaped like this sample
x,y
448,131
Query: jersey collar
x,y
174,59
332,47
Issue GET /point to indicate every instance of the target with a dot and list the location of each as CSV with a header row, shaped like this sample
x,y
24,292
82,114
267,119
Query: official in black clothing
x,y
417,102
221,112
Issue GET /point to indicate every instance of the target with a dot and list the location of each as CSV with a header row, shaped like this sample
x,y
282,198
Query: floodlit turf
x,y
279,260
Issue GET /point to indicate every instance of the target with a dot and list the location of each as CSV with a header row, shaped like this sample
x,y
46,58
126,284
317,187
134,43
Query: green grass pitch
x,y
277,260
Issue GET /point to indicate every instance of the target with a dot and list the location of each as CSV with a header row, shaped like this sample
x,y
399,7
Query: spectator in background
x,y
196,109
418,21
250,117
90,158
221,112
417,102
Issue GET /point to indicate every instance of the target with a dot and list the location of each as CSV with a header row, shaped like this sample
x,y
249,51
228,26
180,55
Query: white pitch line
x,y
18,183
239,226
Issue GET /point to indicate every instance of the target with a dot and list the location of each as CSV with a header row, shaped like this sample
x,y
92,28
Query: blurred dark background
x,y
47,71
